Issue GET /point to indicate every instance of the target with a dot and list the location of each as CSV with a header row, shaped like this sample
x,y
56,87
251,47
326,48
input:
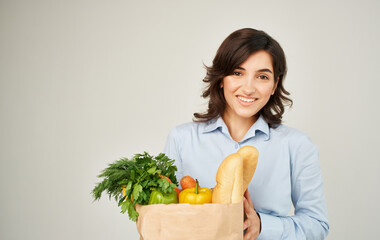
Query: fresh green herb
x,y
138,177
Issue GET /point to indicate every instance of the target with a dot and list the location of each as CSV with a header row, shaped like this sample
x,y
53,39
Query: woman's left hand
x,y
252,223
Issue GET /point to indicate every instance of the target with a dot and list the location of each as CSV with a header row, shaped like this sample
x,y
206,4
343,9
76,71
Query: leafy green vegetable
x,y
139,176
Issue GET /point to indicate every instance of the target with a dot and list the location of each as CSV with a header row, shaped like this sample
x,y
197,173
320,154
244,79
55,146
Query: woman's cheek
x,y
266,91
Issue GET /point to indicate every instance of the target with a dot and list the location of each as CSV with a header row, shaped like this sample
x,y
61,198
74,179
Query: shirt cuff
x,y
271,227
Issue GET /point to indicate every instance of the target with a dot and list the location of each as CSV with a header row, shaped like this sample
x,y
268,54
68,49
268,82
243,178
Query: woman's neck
x,y
238,126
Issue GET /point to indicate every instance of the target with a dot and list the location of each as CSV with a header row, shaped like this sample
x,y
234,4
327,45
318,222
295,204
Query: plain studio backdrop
x,y
84,83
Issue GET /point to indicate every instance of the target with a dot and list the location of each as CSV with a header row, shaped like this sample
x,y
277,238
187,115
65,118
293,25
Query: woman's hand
x,y
252,221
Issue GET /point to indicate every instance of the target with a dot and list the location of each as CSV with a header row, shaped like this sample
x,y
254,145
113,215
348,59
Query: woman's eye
x,y
263,77
236,73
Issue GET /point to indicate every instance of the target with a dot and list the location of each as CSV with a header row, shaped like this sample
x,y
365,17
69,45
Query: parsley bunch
x,y
138,176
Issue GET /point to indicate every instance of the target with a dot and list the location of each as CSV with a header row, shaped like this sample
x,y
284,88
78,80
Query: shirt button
x,y
236,145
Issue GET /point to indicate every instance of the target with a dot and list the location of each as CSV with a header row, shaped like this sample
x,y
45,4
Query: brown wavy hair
x,y
234,50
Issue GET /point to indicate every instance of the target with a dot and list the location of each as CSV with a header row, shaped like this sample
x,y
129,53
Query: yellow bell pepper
x,y
196,195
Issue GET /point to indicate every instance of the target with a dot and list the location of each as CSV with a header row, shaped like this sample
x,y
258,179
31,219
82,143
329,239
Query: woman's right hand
x,y
252,223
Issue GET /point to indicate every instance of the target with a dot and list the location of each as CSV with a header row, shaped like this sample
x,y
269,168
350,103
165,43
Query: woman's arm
x,y
310,216
173,152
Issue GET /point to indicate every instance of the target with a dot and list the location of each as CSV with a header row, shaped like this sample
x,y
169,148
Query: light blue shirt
x,y
288,172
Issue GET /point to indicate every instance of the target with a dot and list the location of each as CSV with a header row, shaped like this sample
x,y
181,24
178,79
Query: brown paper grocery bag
x,y
187,222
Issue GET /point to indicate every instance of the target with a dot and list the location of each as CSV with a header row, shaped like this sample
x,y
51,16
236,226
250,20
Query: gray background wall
x,y
83,83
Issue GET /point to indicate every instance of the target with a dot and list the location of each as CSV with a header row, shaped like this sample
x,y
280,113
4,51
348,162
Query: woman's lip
x,y
246,101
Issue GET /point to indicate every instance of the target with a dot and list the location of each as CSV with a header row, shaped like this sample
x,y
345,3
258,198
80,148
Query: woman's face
x,y
249,88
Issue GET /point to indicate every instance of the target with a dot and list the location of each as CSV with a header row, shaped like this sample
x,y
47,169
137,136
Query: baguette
x,y
234,175
229,178
250,156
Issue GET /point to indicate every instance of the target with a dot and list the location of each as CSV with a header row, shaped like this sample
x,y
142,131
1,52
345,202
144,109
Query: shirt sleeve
x,y
172,150
310,216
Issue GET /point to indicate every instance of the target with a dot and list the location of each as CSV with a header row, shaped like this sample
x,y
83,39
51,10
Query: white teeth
x,y
246,99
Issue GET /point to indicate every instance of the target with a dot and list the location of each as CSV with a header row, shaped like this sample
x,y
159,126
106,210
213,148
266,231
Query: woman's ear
x,y
221,85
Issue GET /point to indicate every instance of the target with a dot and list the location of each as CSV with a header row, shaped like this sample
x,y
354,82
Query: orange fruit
x,y
187,182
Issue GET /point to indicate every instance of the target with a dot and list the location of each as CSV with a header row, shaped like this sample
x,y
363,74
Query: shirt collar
x,y
218,123
260,125
214,124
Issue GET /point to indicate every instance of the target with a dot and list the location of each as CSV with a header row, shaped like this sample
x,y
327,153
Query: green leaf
x,y
128,188
164,186
151,170
137,189
146,196
133,214
124,206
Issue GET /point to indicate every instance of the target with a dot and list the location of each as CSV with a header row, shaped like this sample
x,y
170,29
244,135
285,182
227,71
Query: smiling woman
x,y
247,91
236,49
246,102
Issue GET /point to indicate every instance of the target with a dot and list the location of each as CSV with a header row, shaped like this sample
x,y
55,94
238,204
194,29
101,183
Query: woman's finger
x,y
247,207
247,236
246,224
248,197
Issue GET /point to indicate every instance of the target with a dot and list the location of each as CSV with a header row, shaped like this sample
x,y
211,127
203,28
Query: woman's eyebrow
x,y
265,70
260,70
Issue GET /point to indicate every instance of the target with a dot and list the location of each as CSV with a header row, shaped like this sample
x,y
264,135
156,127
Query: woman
x,y
246,104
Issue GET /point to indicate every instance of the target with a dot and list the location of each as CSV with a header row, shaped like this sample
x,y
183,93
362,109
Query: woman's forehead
x,y
259,60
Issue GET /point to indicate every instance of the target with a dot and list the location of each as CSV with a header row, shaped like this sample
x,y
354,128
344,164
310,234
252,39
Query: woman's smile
x,y
246,100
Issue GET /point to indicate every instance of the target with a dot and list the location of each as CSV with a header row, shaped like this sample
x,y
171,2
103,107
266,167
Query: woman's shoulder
x,y
290,133
302,149
188,125
188,128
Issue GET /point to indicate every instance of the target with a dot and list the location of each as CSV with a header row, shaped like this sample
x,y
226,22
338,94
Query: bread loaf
x,y
234,175
229,178
250,156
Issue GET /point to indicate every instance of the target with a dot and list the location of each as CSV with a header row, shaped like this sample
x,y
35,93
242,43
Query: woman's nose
x,y
249,86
